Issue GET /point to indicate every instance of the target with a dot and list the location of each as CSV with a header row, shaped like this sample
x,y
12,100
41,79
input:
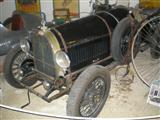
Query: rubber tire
x,y
119,31
80,85
7,69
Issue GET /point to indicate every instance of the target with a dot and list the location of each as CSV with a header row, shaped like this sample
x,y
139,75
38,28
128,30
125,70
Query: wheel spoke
x,y
146,66
92,97
19,70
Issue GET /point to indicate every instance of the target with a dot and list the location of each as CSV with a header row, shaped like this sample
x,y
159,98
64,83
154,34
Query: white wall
x,y
131,3
47,8
6,9
85,7
8,6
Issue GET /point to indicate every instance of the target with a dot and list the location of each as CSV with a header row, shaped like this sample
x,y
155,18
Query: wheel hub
x,y
26,66
93,97
21,66
124,43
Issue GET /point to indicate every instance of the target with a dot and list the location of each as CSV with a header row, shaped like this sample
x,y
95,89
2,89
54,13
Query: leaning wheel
x,y
17,66
145,51
89,92
120,40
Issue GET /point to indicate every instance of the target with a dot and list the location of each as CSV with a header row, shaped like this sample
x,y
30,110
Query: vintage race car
x,y
67,59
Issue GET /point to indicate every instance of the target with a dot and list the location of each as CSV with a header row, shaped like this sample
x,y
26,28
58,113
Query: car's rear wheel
x,y
17,66
89,92
120,40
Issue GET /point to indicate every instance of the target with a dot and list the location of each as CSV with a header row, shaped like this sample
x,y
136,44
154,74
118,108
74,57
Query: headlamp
x,y
62,59
25,46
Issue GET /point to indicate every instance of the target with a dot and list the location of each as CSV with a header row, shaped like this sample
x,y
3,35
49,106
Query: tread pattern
x,y
82,82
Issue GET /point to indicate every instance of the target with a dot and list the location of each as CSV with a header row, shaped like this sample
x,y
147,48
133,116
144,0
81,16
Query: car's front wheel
x,y
89,92
17,66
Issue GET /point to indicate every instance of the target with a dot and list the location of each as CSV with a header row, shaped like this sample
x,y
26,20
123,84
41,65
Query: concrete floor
x,y
127,99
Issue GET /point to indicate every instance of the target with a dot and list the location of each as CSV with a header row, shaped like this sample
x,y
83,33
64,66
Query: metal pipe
x,y
9,39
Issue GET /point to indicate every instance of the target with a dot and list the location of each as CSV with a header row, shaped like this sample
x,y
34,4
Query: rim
x,y
147,39
93,97
124,42
21,66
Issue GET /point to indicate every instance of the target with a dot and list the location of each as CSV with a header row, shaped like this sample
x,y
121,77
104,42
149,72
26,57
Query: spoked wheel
x,y
145,51
18,66
91,99
21,66
89,92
